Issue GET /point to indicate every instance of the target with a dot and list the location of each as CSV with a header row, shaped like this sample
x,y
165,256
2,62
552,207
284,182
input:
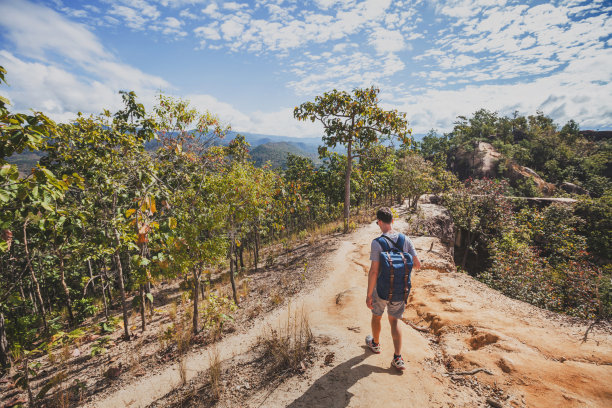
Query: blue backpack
x,y
393,283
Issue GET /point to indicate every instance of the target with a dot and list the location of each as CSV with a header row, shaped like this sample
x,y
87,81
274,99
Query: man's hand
x,y
369,302
416,263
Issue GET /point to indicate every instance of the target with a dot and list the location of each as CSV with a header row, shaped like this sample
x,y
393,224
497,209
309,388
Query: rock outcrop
x,y
517,173
484,161
573,188
481,162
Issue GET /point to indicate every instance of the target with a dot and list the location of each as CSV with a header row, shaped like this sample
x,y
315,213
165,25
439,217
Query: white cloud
x,y
207,32
278,122
53,90
233,6
187,14
180,3
286,30
36,30
232,28
385,41
212,10
564,96
51,82
172,26
137,14
131,16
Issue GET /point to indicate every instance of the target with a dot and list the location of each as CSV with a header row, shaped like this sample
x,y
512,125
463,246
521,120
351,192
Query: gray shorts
x,y
395,309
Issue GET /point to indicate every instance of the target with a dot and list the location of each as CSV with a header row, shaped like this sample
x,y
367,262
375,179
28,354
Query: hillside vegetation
x,y
275,154
557,257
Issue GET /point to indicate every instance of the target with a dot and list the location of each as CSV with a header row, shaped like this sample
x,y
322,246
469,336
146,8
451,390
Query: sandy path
x,y
361,378
537,358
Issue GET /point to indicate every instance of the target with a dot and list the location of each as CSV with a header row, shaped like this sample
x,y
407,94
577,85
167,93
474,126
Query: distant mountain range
x,y
276,153
263,148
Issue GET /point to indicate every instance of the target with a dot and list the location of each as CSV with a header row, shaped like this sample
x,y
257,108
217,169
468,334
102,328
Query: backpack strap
x,y
401,240
384,244
391,276
406,273
395,244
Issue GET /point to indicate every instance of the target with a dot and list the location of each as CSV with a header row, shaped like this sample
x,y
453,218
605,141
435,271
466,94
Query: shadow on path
x,y
332,390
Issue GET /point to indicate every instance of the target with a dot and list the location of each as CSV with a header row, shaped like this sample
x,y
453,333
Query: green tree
x,y
355,121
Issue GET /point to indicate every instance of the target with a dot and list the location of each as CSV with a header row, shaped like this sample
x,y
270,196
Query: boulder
x,y
572,188
517,172
434,221
484,161
481,162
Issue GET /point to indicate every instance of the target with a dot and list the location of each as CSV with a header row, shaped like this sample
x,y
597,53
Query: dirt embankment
x,y
529,357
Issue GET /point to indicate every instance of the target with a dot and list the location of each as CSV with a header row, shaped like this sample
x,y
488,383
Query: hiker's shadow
x,y
332,390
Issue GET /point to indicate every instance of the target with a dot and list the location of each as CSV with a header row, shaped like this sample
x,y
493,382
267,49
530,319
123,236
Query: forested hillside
x,y
100,219
276,153
557,256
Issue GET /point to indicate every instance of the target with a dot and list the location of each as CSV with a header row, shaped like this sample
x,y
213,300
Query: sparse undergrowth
x,y
288,346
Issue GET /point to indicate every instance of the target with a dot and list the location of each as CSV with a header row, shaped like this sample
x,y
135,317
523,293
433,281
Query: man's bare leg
x,y
376,327
396,333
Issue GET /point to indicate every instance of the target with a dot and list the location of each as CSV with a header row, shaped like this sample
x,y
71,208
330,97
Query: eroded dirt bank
x,y
535,358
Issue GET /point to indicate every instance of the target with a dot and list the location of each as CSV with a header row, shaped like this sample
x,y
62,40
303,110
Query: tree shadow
x,y
332,390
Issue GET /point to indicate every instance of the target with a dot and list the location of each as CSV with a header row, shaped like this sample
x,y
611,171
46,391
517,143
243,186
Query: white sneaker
x,y
398,362
370,343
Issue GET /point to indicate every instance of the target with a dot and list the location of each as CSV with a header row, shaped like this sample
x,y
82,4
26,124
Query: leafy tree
x,y
190,168
355,121
20,198
479,208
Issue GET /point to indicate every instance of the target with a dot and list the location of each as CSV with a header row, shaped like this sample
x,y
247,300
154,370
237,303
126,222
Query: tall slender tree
x,y
355,121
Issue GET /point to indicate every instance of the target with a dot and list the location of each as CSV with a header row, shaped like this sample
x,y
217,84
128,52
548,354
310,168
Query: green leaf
x,y
172,222
150,297
46,206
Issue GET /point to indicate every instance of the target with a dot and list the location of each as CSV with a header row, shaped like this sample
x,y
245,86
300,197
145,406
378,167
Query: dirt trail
x,y
537,359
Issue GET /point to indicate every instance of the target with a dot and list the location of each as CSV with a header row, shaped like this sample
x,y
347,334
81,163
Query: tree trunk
x,y
126,325
256,250
93,284
108,285
26,372
467,248
196,300
4,351
143,317
241,251
34,302
150,303
66,291
122,292
232,280
34,279
104,295
347,186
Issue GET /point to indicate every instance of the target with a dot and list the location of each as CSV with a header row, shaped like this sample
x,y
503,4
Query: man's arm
x,y
372,275
409,247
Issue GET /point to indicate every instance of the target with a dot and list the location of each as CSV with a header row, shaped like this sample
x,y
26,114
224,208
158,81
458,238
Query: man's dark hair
x,y
385,215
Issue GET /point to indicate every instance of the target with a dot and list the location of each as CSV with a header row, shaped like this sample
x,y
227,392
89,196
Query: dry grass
x,y
245,288
214,373
182,367
276,298
287,346
183,335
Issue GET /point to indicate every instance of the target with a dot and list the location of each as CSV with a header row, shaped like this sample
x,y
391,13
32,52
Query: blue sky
x,y
252,62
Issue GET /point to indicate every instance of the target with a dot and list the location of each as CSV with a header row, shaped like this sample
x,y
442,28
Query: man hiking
x,y
389,282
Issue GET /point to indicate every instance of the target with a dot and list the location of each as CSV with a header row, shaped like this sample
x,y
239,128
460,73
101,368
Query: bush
x,y
84,308
541,259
